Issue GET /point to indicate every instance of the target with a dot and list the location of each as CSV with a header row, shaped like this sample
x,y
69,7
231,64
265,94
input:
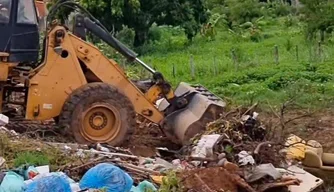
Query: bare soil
x,y
317,126
147,138
222,180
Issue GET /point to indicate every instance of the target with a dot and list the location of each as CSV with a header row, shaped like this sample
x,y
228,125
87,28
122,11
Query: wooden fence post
x,y
297,53
192,67
319,51
234,58
310,50
214,66
276,54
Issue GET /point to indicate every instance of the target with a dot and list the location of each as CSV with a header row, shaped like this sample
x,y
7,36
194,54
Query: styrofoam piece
x,y
309,182
204,147
4,120
43,169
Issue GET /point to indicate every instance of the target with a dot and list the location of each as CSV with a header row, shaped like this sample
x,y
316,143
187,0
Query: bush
x,y
241,11
282,80
126,36
154,34
289,21
281,9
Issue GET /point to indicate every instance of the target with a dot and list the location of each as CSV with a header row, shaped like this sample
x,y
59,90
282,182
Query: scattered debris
x,y
286,182
261,171
245,158
308,181
4,120
295,148
106,176
144,186
232,154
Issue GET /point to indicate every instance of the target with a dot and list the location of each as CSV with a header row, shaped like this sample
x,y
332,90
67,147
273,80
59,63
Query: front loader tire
x,y
98,113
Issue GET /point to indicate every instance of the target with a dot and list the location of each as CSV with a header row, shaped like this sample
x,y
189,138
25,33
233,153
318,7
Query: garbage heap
x,y
232,154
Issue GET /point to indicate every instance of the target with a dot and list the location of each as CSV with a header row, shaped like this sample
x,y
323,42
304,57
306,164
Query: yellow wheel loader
x,y
88,95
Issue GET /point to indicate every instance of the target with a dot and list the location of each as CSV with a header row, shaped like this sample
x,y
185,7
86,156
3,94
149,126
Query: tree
x,y
319,16
141,14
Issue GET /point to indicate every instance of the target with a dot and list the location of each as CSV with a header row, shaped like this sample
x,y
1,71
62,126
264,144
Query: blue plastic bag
x,y
107,176
12,182
52,183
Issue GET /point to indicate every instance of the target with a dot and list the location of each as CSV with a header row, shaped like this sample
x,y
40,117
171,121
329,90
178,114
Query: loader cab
x,y
19,33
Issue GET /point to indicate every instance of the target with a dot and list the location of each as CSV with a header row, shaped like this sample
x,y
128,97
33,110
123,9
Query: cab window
x,y
26,12
5,7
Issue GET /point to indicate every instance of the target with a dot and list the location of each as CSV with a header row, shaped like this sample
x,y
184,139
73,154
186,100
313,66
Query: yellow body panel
x,y
4,69
55,80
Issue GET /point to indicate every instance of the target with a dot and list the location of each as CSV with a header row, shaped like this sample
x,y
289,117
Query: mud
x,y
222,180
147,137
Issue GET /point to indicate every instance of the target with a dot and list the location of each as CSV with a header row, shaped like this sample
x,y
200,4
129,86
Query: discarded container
x,y
296,148
44,184
106,176
12,182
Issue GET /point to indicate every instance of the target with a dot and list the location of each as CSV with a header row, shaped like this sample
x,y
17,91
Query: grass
x,y
28,151
253,76
171,183
32,158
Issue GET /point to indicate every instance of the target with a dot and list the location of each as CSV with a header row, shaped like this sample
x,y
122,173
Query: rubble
x,y
231,155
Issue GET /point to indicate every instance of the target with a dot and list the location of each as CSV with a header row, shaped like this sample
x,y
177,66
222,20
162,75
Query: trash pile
x,y
231,155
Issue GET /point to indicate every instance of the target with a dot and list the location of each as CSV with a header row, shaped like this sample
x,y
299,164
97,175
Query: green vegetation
x,y
245,71
171,183
252,52
241,65
31,152
140,15
31,158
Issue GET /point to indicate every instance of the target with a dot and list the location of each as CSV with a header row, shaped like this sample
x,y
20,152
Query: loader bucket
x,y
203,107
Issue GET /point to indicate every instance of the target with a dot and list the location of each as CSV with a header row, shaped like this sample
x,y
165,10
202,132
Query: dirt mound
x,y
146,138
212,179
